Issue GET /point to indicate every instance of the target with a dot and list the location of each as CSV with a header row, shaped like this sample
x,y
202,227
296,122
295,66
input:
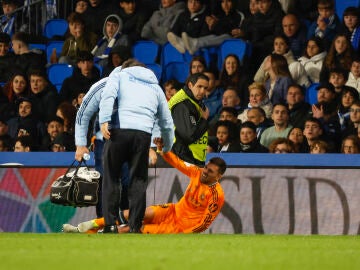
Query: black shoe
x,y
110,229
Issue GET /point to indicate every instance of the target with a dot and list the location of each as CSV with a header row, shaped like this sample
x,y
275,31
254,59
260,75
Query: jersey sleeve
x,y
184,167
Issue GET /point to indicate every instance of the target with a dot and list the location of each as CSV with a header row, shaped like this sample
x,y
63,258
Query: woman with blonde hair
x,y
257,98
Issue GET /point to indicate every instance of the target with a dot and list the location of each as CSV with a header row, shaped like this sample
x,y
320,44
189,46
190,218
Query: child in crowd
x,y
226,134
351,23
354,75
319,147
313,58
171,87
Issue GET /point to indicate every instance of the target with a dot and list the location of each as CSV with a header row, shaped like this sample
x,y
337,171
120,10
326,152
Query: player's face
x,y
210,174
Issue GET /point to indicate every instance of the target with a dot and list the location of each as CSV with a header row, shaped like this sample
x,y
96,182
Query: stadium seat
x,y
146,51
55,27
53,45
169,54
157,69
341,5
100,68
58,72
311,94
39,46
176,70
233,46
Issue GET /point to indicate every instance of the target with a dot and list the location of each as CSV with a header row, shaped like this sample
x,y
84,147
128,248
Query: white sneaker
x,y
176,42
190,43
85,226
68,228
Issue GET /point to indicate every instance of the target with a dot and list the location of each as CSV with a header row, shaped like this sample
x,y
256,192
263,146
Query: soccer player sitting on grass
x,y
194,213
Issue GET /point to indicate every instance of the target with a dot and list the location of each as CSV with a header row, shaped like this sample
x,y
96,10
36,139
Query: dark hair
x,y
198,58
75,17
351,11
21,36
174,82
5,38
26,141
248,124
285,38
318,41
84,56
351,90
328,3
281,104
232,129
314,120
193,78
298,86
7,142
131,62
231,110
56,119
220,163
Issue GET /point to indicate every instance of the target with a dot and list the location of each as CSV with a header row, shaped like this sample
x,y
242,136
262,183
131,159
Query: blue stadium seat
x,y
341,5
169,54
157,69
39,46
146,51
233,46
311,94
58,72
100,68
53,45
55,27
176,70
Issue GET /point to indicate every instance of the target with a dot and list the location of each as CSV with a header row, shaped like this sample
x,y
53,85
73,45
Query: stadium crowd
x,y
255,105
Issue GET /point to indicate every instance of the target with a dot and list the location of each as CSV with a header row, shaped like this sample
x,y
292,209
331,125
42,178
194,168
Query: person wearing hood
x,y
85,74
191,120
162,20
140,102
112,37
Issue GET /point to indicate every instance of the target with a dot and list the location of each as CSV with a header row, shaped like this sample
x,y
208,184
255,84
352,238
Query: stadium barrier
x,y
265,193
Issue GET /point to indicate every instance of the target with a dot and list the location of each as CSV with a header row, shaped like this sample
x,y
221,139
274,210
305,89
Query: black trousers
x,y
132,146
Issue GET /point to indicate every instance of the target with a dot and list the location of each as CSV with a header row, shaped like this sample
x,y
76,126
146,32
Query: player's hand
x,y
105,131
152,157
80,151
159,144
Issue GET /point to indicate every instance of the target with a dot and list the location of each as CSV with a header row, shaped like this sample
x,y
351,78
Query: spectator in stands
x,y
296,32
26,59
234,75
10,22
230,98
354,123
264,26
249,142
133,20
213,96
250,11
281,146
225,114
297,71
6,144
306,10
313,58
54,127
327,24
279,78
95,14
192,22
226,138
258,117
24,144
85,74
112,37
351,23
161,21
25,122
325,93
6,58
220,25
319,147
348,96
63,142
350,145
117,56
44,96
67,112
17,87
197,64
79,100
354,75
171,87
281,128
81,6
296,135
80,39
257,98
299,109
340,55
337,77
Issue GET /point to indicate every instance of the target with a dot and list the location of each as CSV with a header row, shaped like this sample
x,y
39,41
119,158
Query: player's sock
x,y
68,228
91,224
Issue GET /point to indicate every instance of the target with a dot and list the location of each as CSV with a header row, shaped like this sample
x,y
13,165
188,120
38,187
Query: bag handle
x,y
77,166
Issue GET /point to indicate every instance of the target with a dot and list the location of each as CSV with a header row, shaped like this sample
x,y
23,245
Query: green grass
x,y
102,252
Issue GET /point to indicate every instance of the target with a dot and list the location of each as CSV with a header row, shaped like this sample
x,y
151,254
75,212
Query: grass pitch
x,y
80,251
